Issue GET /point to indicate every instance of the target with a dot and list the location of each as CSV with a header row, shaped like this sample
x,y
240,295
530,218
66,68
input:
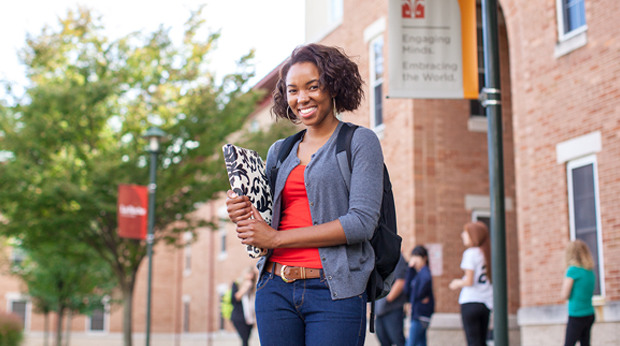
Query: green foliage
x,y
65,276
76,135
11,330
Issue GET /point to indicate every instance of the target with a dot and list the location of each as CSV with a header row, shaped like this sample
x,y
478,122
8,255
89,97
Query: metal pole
x,y
491,100
149,241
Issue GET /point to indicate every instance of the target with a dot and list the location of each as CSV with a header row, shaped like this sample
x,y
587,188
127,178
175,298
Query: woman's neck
x,y
322,130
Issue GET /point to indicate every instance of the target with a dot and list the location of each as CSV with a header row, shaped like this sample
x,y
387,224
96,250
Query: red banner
x,y
132,209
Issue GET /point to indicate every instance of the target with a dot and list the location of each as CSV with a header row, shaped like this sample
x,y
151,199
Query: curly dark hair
x,y
338,74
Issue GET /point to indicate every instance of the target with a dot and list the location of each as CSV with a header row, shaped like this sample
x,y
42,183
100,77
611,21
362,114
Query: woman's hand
x,y
456,284
256,231
238,207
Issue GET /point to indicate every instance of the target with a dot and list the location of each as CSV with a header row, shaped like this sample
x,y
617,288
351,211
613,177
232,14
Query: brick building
x,y
560,71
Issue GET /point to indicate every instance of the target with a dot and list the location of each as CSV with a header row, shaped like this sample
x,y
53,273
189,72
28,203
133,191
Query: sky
x,y
272,27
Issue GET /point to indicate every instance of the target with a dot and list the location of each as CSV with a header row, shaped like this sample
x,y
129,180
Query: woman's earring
x,y
335,111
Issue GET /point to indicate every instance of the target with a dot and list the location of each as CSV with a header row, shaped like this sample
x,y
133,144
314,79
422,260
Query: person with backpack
x,y
419,289
312,282
242,299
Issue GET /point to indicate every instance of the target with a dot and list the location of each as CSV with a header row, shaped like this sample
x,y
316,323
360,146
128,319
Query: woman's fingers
x,y
238,208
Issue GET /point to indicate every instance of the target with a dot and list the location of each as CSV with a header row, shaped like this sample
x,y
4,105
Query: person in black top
x,y
390,314
242,299
419,289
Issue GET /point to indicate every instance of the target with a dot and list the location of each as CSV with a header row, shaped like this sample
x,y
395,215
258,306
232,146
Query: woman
x,y
476,296
242,316
311,288
578,289
419,289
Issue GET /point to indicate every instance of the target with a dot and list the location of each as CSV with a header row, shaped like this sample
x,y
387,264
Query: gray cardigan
x,y
347,267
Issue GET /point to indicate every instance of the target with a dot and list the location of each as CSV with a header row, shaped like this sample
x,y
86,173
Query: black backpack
x,y
385,241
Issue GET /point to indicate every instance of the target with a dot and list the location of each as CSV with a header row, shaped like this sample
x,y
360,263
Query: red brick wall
x,y
556,99
434,160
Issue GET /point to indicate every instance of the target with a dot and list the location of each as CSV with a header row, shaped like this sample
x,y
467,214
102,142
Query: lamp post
x,y
154,136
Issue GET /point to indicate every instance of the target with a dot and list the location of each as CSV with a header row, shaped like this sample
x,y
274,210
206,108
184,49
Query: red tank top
x,y
296,214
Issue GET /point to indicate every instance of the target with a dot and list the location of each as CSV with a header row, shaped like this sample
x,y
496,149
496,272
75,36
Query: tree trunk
x,y
127,316
68,332
46,328
60,312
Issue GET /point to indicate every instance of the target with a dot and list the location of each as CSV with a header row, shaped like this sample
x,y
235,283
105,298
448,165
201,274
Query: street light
x,y
154,136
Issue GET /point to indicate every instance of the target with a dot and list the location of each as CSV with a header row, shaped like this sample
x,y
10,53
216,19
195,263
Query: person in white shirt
x,y
476,297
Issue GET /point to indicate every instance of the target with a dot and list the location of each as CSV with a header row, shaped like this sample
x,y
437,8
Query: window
x,y
97,320
187,253
222,237
584,212
376,83
571,18
19,308
186,317
483,216
476,109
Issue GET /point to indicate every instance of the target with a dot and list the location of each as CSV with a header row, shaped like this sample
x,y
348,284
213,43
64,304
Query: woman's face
x,y
308,100
466,239
418,261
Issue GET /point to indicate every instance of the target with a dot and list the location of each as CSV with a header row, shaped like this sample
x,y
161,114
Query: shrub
x,y
11,330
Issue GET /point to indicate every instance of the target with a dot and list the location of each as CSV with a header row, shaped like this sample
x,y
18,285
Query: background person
x,y
476,296
243,317
312,284
419,289
578,289
390,314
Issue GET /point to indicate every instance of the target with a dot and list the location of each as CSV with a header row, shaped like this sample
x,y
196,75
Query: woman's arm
x,y
258,233
356,226
466,282
567,287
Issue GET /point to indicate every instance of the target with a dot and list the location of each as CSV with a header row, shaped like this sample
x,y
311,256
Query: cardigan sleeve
x,y
366,191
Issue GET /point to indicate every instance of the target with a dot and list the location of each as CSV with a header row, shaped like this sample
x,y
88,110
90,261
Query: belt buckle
x,y
284,277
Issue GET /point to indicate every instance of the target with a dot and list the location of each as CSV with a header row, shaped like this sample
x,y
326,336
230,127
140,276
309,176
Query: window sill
x,y
571,43
477,123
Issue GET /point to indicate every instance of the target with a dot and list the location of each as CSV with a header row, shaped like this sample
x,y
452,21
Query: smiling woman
x,y
312,282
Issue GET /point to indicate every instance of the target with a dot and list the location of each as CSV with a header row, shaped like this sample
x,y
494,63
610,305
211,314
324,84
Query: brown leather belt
x,y
290,274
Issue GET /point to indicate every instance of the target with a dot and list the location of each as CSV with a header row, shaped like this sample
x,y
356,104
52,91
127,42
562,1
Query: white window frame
x,y
336,11
222,235
379,129
570,165
18,297
476,213
187,253
106,319
560,19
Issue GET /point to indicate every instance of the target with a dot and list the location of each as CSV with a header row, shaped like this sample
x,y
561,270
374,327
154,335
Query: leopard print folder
x,y
246,173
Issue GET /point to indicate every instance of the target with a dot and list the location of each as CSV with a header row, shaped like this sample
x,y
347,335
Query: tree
x,y
65,278
76,135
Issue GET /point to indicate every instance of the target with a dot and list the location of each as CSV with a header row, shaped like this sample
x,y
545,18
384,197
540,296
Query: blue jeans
x,y
389,328
303,313
417,333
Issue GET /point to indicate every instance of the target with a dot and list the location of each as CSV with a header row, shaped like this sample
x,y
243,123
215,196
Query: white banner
x,y
432,49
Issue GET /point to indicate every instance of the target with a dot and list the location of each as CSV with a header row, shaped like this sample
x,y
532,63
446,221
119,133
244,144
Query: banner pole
x,y
491,100
149,240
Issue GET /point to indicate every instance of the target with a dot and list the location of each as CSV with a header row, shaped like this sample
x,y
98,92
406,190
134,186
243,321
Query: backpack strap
x,y
343,151
285,149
